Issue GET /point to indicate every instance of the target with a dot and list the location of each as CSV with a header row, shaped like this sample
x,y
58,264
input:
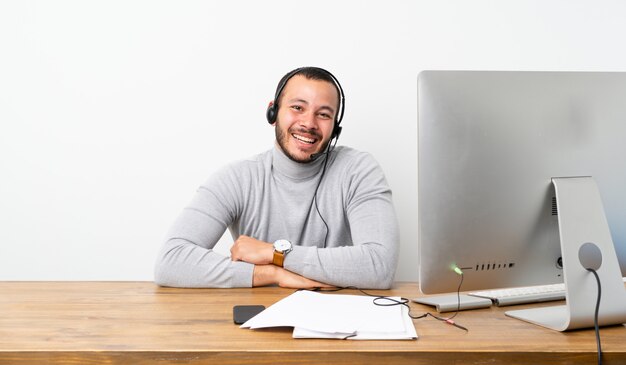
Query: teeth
x,y
303,139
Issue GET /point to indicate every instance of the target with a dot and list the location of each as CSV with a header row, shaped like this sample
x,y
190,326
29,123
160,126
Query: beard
x,y
282,139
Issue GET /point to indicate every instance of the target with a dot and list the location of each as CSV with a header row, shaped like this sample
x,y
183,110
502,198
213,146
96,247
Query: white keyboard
x,y
526,294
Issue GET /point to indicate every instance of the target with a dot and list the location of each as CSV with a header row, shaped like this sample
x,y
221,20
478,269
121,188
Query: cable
x,y
380,301
458,292
327,153
595,317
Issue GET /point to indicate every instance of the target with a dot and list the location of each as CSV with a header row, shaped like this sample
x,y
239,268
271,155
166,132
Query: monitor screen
x,y
489,144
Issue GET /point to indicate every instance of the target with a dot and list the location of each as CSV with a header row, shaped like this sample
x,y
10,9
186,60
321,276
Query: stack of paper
x,y
355,317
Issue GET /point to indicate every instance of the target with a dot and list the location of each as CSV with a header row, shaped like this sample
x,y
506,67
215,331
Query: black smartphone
x,y
242,313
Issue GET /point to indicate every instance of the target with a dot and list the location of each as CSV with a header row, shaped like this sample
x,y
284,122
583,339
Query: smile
x,y
304,139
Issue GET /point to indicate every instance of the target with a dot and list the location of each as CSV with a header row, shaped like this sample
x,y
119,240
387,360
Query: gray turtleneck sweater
x,y
270,197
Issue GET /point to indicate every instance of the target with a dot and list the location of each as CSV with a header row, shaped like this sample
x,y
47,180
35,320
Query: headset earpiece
x,y
271,112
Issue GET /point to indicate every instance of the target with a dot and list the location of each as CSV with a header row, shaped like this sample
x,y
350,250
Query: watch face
x,y
282,245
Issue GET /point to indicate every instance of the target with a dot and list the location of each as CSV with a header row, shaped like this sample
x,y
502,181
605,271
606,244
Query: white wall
x,y
113,112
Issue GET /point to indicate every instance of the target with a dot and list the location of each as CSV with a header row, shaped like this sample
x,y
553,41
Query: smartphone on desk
x,y
242,313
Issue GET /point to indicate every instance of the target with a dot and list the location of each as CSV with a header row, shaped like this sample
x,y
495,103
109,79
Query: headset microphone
x,y
315,156
330,147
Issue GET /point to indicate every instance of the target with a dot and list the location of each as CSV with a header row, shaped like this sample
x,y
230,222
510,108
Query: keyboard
x,y
525,294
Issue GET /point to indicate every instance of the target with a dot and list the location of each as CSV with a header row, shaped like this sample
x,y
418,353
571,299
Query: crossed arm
x,y
187,258
260,254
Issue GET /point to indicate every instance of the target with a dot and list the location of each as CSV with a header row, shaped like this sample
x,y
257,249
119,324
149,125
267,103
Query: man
x,y
303,214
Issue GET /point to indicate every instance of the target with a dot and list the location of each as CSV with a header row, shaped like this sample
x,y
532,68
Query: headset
x,y
272,109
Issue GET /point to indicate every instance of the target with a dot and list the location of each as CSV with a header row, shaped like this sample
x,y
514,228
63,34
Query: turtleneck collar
x,y
294,170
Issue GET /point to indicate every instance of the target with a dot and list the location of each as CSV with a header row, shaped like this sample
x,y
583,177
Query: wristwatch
x,y
281,249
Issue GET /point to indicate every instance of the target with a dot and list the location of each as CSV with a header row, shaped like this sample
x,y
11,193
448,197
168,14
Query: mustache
x,y
302,130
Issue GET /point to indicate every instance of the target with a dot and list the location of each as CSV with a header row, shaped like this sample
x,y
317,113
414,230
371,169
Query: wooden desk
x,y
141,323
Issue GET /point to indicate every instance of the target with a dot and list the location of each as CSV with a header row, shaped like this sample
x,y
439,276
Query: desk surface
x,y
141,323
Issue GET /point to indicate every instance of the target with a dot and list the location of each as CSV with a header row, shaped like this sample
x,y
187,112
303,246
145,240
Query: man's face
x,y
306,116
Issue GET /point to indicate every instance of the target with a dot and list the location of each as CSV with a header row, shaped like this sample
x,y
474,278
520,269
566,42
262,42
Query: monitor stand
x,y
585,242
454,302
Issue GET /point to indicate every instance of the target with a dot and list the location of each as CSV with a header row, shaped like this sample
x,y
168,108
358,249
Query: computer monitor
x,y
490,145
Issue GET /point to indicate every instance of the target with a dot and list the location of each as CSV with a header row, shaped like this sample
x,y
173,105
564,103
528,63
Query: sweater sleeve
x,y
187,258
371,260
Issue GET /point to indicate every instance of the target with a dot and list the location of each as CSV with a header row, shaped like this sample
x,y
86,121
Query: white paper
x,y
318,315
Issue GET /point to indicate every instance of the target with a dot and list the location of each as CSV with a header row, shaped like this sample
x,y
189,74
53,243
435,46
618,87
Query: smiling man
x,y
303,214
307,120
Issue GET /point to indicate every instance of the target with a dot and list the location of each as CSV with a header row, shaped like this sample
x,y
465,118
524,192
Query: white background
x,y
113,112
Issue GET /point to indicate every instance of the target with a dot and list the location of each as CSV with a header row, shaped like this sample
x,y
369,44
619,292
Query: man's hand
x,y
251,250
270,275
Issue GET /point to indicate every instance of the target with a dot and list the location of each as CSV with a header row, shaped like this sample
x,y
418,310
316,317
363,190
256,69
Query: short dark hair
x,y
311,73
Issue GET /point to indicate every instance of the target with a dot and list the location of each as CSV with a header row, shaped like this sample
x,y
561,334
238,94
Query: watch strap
x,y
279,258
